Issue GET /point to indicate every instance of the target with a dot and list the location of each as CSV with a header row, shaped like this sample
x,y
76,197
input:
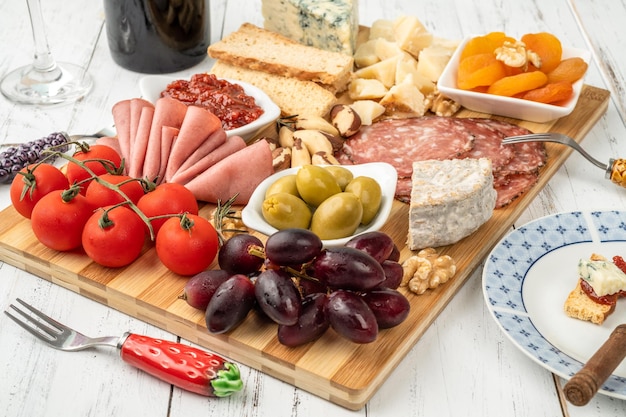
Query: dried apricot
x,y
515,84
551,93
479,70
483,44
547,46
570,70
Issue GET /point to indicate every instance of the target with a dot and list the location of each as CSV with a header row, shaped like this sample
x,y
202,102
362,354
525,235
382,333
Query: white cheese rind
x,y
604,276
332,25
450,200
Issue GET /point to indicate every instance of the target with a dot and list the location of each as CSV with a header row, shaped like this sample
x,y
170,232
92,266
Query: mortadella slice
x,y
239,173
138,150
214,141
229,147
167,112
121,119
111,142
136,104
198,125
168,136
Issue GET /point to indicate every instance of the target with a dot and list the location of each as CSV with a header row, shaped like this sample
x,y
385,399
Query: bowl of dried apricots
x,y
532,78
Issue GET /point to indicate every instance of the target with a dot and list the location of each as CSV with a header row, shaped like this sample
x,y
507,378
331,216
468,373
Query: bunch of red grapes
x,y
303,287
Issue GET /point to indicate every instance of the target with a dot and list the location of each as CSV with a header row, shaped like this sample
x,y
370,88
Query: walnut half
x,y
427,270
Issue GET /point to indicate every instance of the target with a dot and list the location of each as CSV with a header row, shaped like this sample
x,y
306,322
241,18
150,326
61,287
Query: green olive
x,y
284,211
342,174
286,184
369,193
337,217
315,184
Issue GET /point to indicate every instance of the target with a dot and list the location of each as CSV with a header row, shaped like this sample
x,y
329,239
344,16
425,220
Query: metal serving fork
x,y
184,366
615,170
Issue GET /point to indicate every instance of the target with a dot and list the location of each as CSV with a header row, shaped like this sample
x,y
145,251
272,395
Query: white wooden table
x,y
462,366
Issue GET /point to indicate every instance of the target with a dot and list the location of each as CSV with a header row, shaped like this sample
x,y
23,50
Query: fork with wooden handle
x,y
585,383
184,366
615,170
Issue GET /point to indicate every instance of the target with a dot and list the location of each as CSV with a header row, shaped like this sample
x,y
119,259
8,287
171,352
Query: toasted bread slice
x,y
579,306
293,96
259,49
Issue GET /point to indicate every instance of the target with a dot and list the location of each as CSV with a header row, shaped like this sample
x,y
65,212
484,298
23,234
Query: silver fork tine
x,y
39,324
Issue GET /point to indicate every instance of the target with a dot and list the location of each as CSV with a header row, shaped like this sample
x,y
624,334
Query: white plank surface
x,y
463,365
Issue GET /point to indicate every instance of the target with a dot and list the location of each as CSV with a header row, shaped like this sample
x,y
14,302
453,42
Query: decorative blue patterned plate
x,y
528,276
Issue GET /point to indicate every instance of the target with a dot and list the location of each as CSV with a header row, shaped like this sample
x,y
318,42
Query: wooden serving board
x,y
333,368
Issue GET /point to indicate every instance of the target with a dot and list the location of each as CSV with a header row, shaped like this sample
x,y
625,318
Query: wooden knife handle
x,y
585,383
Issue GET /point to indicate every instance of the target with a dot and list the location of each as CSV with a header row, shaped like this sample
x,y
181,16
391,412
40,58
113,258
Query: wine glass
x,y
45,81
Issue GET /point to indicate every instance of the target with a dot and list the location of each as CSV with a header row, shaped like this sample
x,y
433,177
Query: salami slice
x,y
516,185
400,142
488,142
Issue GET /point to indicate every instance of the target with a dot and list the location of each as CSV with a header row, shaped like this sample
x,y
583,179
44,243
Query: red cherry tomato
x,y
114,237
100,195
97,158
59,217
34,182
167,198
187,245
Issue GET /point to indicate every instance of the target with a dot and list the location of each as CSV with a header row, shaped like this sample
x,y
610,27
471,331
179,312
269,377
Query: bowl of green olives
x,y
336,202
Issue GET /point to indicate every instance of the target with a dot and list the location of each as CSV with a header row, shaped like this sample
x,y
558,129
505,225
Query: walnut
x,y
440,104
231,224
515,54
427,270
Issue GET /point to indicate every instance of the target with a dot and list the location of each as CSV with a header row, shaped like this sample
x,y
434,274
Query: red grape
x,y
350,316
393,274
277,296
201,287
378,245
347,268
389,306
292,247
234,256
311,325
230,304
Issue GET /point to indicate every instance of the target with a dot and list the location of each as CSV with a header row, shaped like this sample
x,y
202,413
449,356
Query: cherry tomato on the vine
x,y
101,195
167,198
97,158
187,245
34,182
114,237
59,217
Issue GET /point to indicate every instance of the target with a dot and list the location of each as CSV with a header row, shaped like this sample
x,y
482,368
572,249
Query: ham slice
x,y
168,136
214,141
111,142
167,112
139,145
136,104
239,173
229,147
197,126
121,113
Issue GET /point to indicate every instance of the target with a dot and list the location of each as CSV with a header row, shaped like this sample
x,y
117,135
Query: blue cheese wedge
x,y
603,275
450,200
332,25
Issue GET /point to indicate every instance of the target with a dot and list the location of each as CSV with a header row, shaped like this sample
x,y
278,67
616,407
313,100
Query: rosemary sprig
x,y
225,211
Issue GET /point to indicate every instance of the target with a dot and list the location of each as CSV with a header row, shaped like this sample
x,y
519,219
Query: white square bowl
x,y
516,108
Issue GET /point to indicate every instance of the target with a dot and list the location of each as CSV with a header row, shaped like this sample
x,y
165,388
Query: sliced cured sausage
x,y
121,119
214,141
229,147
488,142
140,143
168,136
400,142
239,173
167,112
197,126
514,186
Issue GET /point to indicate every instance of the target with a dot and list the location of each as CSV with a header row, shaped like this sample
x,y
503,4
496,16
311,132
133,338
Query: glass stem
x,y
43,57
